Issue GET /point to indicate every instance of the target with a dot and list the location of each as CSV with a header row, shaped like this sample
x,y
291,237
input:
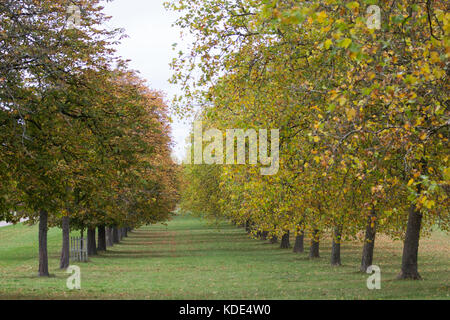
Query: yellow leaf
x,y
352,5
438,72
435,57
342,100
429,204
346,43
422,200
447,174
321,16
351,113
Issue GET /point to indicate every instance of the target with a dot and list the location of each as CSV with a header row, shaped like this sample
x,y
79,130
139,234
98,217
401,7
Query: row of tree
x,y
83,142
363,114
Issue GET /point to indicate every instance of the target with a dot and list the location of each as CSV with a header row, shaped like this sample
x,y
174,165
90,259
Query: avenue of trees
x,y
84,144
363,115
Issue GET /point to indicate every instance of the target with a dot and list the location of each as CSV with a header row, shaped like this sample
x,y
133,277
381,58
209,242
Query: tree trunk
x,y
274,239
125,232
81,236
101,246
115,235
43,255
336,247
285,244
298,247
65,251
91,245
248,226
369,242
314,249
264,235
411,246
109,237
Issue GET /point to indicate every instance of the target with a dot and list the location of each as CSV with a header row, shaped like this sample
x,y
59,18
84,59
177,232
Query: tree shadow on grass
x,y
149,236
183,251
35,276
149,255
169,238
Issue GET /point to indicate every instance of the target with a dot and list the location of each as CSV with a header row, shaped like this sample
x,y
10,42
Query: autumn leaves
x,y
82,136
362,112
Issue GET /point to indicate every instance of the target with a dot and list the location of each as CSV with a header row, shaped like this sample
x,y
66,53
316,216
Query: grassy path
x,y
191,260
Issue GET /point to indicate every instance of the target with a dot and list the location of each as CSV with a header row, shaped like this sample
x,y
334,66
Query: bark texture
x,y
65,251
299,246
43,255
109,237
336,247
314,249
369,243
285,244
101,245
411,246
115,235
91,245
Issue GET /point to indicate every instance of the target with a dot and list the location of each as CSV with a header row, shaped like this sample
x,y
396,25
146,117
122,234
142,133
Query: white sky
x,y
149,47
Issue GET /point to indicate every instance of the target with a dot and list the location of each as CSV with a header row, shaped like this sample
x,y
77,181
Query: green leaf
x,y
328,44
345,43
352,5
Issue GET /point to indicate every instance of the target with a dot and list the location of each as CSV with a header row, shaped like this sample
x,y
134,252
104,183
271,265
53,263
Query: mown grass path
x,y
189,259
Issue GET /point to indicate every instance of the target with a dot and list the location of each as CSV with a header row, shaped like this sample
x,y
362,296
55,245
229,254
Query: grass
x,y
190,260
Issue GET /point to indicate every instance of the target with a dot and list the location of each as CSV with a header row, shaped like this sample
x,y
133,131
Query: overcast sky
x,y
149,47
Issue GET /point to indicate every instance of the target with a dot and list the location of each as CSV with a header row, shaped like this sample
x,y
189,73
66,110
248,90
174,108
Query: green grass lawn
x,y
190,260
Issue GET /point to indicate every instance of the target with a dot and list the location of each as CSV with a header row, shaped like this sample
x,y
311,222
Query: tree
x,y
361,145
82,143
